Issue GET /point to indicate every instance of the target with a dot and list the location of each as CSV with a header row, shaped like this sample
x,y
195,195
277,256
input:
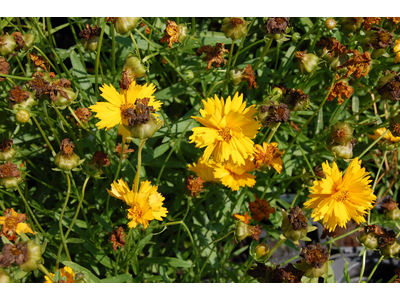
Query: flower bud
x,y
92,43
369,240
238,76
7,44
4,277
29,40
295,226
390,208
90,37
243,231
330,23
315,261
64,96
296,36
123,25
34,257
350,24
183,33
22,116
66,159
260,252
145,131
134,67
307,62
234,28
389,244
27,101
343,151
341,133
7,151
10,176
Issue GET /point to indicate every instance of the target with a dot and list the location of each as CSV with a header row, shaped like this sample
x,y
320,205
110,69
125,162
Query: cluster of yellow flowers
x,y
230,153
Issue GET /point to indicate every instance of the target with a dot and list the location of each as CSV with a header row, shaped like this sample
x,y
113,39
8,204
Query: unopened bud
x,y
7,44
4,277
66,159
65,96
343,151
7,151
330,23
243,231
34,257
183,33
260,252
134,67
234,28
22,116
123,25
341,133
145,131
350,24
307,62
92,43
29,40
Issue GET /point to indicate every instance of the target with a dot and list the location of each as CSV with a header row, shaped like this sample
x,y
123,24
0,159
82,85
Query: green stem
x,y
51,64
375,267
113,50
193,29
297,195
363,264
44,270
30,211
228,67
372,144
245,271
118,170
272,132
96,67
44,136
213,87
16,77
278,244
364,109
266,48
217,240
139,165
134,42
60,223
242,42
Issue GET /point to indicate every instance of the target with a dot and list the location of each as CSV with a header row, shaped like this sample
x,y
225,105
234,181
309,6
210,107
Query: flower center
x,y
225,134
15,251
124,108
341,195
11,222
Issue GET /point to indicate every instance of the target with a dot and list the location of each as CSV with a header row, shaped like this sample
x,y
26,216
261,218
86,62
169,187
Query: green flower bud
x,y
145,131
243,231
260,252
26,104
92,43
296,36
29,40
342,151
391,250
183,33
330,23
66,159
22,116
63,101
34,257
369,240
123,25
350,24
4,277
393,214
10,182
134,67
277,91
341,133
237,76
7,44
234,28
307,62
8,154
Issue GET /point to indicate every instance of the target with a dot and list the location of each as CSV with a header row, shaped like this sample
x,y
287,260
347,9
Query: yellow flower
x,y
396,49
230,128
67,272
267,156
145,205
388,136
235,176
115,111
205,170
336,200
13,223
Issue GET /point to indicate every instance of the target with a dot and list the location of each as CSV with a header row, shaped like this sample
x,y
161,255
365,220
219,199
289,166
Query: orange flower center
x,y
225,134
15,251
11,222
341,195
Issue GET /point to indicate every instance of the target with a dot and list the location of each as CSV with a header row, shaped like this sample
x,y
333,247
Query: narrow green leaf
x,y
167,261
74,241
78,268
103,223
117,279
346,272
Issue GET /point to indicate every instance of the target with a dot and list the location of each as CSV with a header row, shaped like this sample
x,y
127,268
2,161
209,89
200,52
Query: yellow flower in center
x,y
336,200
205,170
115,111
230,128
267,156
145,205
235,176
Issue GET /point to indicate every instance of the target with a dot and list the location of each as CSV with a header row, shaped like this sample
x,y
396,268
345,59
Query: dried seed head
x,y
118,238
4,68
194,185
213,54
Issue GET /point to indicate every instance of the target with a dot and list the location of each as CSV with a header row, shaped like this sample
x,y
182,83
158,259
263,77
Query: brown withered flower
x,y
118,149
339,90
101,159
297,218
368,21
314,255
295,99
276,113
126,80
147,30
6,144
258,272
4,68
249,75
171,34
57,87
67,147
17,95
9,170
141,113
319,172
288,274
276,25
332,46
213,54
383,38
389,204
256,230
358,64
118,238
13,223
110,19
391,89
90,31
40,61
18,39
260,209
388,238
194,185
39,85
17,253
83,114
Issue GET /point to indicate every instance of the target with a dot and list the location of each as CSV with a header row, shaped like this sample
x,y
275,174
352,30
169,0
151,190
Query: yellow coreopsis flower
x,y
388,136
65,272
267,156
145,205
119,106
396,49
229,129
13,224
205,170
235,176
336,199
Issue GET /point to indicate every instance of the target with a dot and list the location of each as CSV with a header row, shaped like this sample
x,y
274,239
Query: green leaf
x,y
80,73
21,274
346,272
117,279
74,241
103,223
338,111
167,261
5,240
78,268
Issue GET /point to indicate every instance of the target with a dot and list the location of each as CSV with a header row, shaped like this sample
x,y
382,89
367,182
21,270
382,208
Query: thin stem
x,y
272,132
364,109
118,170
139,165
363,264
373,144
228,67
113,50
16,77
44,55
136,47
60,223
96,68
375,267
247,268
263,54
44,270
44,136
217,240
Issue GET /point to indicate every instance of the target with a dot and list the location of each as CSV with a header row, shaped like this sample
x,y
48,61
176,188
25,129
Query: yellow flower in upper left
x,y
229,130
114,111
13,223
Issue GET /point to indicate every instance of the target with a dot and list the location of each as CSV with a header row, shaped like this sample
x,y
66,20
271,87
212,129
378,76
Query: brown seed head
x,y
256,230
6,144
315,255
288,274
90,31
4,68
18,95
383,38
17,253
9,170
194,185
67,148
297,218
388,238
118,238
171,34
101,159
83,114
39,85
213,54
19,40
260,209
249,75
332,46
278,113
389,203
392,88
276,25
126,80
